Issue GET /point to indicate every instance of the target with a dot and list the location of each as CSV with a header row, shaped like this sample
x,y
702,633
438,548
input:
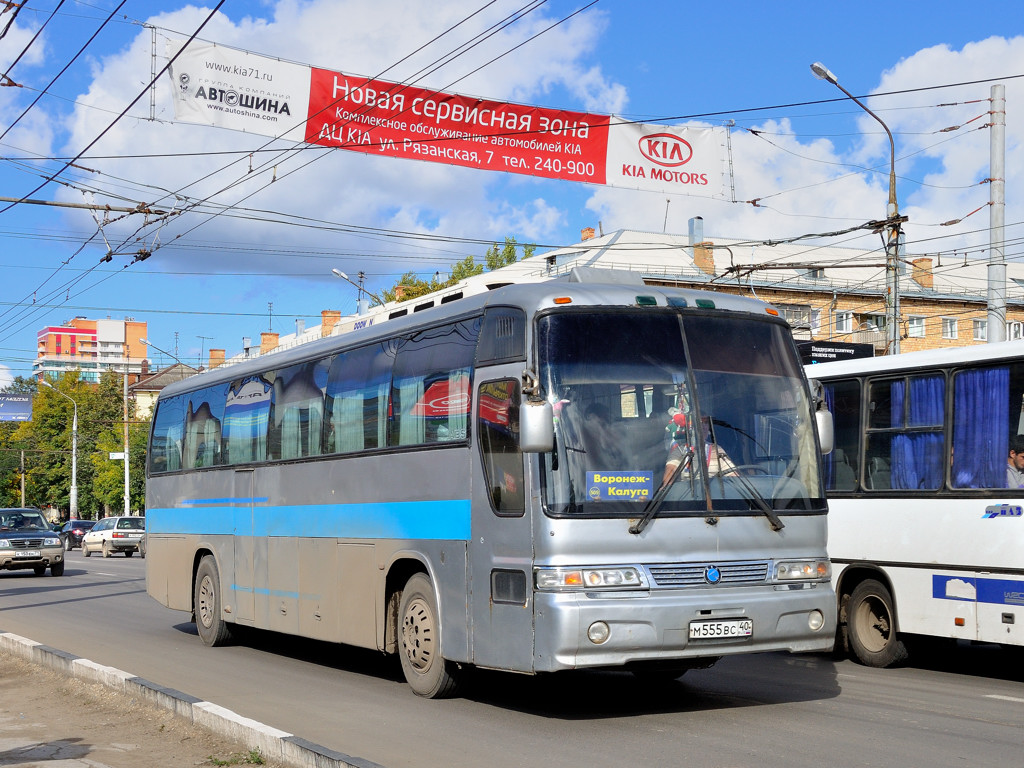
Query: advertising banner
x,y
233,89
15,407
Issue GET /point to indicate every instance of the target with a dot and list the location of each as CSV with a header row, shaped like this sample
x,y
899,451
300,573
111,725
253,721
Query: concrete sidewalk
x,y
57,709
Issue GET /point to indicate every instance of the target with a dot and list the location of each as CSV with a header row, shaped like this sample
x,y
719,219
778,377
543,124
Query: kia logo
x,y
666,149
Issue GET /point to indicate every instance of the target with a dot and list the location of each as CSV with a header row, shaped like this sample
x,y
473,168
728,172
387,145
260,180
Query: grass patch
x,y
252,757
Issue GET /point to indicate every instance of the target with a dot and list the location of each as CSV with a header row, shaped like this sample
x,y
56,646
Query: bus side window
x,y
842,398
168,431
203,420
430,398
358,386
298,407
987,412
498,428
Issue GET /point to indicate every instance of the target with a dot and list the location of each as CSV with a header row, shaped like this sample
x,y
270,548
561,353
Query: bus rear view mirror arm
x,y
536,426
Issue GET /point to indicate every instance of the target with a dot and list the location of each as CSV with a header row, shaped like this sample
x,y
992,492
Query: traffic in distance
x,y
571,474
926,497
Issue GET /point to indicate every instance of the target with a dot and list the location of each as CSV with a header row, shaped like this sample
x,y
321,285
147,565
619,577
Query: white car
x,y
115,534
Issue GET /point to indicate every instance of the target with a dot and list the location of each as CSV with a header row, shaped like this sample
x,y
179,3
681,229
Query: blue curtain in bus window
x,y
981,428
917,460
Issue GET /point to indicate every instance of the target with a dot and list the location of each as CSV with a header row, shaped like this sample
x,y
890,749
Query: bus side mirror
x,y
536,427
823,420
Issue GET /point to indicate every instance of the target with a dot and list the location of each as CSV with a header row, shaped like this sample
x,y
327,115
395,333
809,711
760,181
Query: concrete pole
x,y
127,501
996,214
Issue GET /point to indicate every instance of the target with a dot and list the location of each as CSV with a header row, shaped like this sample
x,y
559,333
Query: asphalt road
x,y
963,707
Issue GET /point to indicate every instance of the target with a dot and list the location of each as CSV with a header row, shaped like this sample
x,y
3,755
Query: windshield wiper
x,y
655,503
755,496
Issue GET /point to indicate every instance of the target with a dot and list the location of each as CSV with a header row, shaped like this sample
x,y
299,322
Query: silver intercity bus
x,y
543,477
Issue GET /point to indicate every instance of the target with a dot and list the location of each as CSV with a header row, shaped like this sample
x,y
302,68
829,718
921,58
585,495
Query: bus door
x,y
243,585
501,545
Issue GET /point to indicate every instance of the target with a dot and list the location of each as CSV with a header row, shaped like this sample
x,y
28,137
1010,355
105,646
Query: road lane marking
x,y
1004,698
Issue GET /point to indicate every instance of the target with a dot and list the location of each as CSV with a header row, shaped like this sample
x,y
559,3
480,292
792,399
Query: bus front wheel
x,y
871,626
419,647
212,628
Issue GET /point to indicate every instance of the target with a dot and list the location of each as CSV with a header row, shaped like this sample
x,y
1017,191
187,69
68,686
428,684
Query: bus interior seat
x,y
879,474
845,477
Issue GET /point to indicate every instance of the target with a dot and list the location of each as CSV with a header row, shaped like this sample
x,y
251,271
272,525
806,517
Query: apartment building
x,y
91,347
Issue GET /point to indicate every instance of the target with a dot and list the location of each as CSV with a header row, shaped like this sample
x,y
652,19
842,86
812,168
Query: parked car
x,y
114,534
72,531
26,541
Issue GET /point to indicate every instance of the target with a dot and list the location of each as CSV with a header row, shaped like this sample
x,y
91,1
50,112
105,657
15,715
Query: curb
x,y
273,743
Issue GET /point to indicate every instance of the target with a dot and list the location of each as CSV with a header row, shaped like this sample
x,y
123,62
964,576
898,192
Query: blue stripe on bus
x,y
238,500
445,519
979,590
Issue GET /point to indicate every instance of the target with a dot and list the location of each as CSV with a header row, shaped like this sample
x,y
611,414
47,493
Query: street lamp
x,y
74,449
359,285
148,343
892,286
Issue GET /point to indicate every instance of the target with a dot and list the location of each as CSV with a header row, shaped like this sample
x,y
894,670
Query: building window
x,y
844,322
980,330
949,328
876,322
915,327
815,321
797,315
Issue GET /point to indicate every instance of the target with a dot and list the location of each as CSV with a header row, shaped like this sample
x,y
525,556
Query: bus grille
x,y
692,574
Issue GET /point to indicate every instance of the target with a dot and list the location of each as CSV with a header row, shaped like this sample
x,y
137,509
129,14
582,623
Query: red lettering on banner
x,y
448,128
666,149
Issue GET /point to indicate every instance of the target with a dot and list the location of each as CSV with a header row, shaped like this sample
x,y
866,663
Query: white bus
x,y
926,538
484,483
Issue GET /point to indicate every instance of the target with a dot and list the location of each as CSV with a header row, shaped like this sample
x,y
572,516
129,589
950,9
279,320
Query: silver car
x,y
115,534
26,541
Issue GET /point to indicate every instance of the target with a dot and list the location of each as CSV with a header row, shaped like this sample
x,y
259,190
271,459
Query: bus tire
x,y
419,642
213,630
871,626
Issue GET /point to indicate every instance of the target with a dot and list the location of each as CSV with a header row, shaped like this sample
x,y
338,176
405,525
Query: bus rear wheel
x,y
871,626
419,647
213,630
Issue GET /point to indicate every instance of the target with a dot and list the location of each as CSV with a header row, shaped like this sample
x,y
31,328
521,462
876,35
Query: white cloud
x,y
808,185
342,186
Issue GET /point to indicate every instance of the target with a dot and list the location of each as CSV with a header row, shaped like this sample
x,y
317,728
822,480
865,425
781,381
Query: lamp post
x,y
148,343
893,220
359,285
74,449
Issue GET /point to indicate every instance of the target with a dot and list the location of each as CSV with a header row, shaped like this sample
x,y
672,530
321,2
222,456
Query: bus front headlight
x,y
587,578
803,570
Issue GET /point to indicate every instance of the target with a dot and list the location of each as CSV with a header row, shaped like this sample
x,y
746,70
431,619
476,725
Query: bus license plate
x,y
709,629
27,553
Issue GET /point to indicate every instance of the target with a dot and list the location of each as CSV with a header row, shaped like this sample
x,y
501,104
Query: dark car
x,y
72,531
26,541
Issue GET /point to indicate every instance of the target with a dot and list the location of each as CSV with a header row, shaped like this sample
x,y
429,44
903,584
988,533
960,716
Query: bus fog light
x,y
815,620
598,632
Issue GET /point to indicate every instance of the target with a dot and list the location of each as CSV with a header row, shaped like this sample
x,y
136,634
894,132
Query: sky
x,y
812,159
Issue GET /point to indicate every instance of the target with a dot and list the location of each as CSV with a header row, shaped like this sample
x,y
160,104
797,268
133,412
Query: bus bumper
x,y
655,626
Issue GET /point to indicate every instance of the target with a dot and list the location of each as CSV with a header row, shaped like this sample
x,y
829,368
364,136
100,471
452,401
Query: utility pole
x,y
996,217
127,497
892,221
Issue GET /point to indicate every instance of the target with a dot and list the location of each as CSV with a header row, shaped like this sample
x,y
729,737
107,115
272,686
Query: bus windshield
x,y
712,406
